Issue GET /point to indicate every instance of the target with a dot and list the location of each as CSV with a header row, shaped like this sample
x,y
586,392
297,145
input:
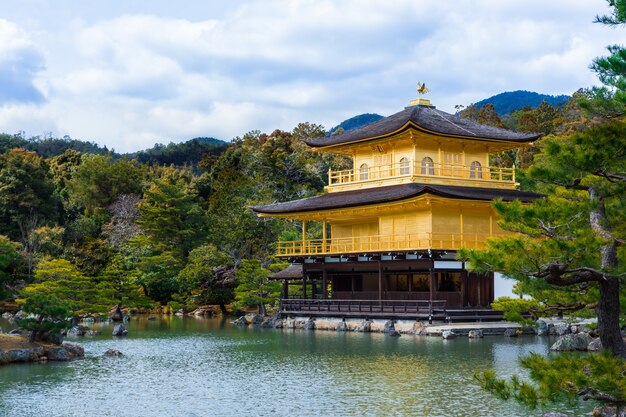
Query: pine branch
x,y
593,394
558,275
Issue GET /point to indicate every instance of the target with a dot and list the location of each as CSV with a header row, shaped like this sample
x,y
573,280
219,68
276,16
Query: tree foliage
x,y
571,240
255,289
50,316
565,377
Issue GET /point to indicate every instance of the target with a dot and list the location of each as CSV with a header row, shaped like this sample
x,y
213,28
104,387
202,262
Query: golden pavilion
x,y
421,187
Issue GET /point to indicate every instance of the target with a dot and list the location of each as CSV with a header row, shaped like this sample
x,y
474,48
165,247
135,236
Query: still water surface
x,y
191,367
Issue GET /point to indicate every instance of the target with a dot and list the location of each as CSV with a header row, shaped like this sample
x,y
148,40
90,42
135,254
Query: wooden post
x,y
324,285
285,290
380,284
464,286
303,237
461,225
432,292
324,249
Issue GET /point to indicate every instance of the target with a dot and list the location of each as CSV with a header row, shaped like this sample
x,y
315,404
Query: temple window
x,y
428,167
404,166
363,172
476,170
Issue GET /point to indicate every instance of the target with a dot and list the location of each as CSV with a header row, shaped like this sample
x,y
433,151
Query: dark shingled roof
x,y
430,119
392,193
293,271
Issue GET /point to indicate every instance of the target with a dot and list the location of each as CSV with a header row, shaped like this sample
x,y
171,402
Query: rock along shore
x,y
17,349
569,336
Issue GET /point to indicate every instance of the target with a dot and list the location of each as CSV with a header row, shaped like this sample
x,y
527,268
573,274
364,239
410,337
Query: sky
x,y
131,73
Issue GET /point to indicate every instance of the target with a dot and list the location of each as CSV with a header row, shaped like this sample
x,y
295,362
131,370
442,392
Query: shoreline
x,y
17,349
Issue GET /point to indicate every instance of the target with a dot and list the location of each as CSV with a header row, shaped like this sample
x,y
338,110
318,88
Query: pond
x,y
190,367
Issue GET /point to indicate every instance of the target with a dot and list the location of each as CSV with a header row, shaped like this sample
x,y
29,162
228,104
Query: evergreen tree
x,y
255,289
573,238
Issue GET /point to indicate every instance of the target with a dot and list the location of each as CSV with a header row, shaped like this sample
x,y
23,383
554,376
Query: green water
x,y
204,367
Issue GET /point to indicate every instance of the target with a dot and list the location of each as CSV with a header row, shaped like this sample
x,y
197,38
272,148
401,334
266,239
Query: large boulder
x,y
113,353
20,315
511,332
475,334
394,333
608,411
448,334
77,331
364,326
595,345
74,350
389,327
253,318
241,321
561,329
342,327
19,355
120,330
116,314
58,353
541,328
570,342
309,324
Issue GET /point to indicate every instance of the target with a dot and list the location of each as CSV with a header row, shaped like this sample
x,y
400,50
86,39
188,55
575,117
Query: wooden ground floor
x,y
393,285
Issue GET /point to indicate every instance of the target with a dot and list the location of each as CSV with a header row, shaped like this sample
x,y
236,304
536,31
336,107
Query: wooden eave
x,y
495,145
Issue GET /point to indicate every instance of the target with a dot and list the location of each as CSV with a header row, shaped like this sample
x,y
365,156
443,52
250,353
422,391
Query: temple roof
x,y
293,271
392,193
428,119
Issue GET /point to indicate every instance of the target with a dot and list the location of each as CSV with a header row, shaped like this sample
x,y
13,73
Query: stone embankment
x,y
570,337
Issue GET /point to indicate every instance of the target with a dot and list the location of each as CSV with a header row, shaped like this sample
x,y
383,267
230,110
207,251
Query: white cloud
x,y
130,80
19,63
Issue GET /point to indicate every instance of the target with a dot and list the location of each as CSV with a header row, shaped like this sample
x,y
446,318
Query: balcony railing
x,y
426,172
379,243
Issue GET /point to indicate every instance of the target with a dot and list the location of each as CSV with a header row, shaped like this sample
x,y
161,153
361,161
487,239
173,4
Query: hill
x,y
179,154
356,122
506,103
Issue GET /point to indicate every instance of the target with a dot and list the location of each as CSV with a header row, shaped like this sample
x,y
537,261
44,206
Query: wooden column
x,y
314,288
463,286
324,250
324,285
380,284
303,237
304,287
285,290
432,292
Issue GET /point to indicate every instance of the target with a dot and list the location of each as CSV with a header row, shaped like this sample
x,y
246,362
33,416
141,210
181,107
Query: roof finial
x,y
421,90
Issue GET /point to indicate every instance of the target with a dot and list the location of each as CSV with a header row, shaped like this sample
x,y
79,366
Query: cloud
x,y
20,61
131,80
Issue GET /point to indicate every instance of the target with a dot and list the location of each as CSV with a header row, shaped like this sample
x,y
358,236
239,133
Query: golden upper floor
x,y
424,145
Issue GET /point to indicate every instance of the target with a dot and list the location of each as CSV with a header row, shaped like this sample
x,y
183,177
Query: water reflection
x,y
198,367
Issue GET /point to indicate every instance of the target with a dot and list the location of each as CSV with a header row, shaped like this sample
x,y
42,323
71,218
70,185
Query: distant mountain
x,y
356,122
505,103
50,147
190,152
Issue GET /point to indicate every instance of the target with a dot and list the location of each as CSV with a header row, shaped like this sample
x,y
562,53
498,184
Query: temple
x,y
386,232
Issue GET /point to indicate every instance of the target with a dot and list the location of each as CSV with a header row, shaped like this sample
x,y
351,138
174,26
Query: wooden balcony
x,y
423,172
364,244
417,309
